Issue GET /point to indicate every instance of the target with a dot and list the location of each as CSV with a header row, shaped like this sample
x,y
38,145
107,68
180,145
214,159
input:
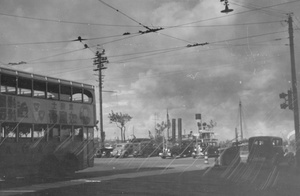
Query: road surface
x,y
156,176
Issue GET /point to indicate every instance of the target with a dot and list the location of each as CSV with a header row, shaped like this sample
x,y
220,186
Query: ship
x,y
206,142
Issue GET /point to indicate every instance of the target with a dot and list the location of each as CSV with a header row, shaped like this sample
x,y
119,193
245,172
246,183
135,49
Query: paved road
x,y
105,169
155,176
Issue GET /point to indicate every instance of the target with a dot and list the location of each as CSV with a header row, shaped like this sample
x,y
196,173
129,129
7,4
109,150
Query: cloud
x,y
209,79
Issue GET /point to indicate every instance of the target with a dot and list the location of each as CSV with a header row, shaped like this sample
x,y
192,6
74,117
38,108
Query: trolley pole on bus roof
x,y
294,90
99,62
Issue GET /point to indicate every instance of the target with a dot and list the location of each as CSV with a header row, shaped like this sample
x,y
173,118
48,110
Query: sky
x,y
240,56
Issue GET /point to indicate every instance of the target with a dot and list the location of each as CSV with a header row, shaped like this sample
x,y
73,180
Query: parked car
x,y
105,151
262,151
265,149
146,149
179,149
122,150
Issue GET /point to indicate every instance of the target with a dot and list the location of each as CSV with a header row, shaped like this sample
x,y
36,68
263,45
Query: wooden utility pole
x,y
99,62
294,90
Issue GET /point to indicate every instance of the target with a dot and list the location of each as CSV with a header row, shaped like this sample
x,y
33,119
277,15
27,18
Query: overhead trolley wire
x,y
151,30
251,36
124,14
55,55
252,6
227,25
161,51
65,41
228,15
204,50
159,33
114,36
148,55
65,21
87,47
121,25
184,47
153,52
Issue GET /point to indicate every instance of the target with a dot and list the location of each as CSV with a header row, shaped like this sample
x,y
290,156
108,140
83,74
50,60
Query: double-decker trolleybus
x,y
46,125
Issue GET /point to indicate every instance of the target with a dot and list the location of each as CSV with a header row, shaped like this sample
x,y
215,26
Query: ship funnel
x,y
179,120
173,130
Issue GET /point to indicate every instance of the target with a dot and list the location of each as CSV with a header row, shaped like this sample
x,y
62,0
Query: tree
x,y
160,127
120,120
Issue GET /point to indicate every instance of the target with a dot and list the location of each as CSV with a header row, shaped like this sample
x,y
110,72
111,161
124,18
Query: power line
x,y
252,6
152,53
124,14
113,36
251,36
162,51
85,47
66,22
61,71
65,41
109,42
174,37
55,55
237,13
227,25
155,52
122,25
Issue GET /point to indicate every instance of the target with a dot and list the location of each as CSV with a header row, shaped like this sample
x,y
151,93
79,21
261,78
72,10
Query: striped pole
x,y
205,158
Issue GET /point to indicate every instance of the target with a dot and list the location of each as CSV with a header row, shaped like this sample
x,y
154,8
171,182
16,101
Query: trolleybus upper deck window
x,y
77,94
65,93
53,91
24,87
87,96
8,84
39,89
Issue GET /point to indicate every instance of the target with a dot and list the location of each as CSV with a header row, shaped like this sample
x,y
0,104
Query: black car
x,y
211,151
146,149
179,149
